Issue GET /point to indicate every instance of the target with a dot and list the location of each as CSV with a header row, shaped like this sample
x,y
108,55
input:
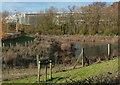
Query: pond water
x,y
95,49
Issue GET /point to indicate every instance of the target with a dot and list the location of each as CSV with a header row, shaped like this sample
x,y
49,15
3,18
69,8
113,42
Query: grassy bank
x,y
103,68
19,40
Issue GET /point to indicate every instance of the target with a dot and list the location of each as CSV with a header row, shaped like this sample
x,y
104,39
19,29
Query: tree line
x,y
96,18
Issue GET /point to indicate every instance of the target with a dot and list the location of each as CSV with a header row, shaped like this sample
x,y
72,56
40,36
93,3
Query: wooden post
x,y
109,51
25,43
37,59
38,64
39,69
82,57
0,45
46,72
10,44
28,42
50,69
16,44
35,39
3,45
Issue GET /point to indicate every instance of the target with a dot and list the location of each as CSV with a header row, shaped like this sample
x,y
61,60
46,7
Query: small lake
x,y
95,49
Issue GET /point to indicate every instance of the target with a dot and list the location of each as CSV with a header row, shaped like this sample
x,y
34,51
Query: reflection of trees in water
x,y
95,52
94,49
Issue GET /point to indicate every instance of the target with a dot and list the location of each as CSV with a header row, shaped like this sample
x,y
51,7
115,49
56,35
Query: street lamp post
x,y
16,22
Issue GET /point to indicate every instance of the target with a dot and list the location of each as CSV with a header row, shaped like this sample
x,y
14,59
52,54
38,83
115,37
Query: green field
x,y
78,74
19,40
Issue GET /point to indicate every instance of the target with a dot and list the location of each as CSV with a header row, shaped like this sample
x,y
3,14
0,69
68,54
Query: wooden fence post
x,y
39,71
38,64
10,44
25,43
16,44
109,51
50,69
3,45
28,42
46,72
82,57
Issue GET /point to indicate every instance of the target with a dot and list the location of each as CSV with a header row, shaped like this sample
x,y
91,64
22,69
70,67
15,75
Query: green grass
x,y
19,40
78,74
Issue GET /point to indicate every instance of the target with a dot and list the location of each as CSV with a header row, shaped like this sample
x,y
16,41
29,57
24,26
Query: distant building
x,y
25,18
20,17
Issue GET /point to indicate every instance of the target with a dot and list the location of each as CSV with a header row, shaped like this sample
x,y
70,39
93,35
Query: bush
x,y
108,32
92,32
83,32
115,30
100,79
55,31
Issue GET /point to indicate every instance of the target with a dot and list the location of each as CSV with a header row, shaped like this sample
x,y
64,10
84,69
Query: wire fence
x,y
63,60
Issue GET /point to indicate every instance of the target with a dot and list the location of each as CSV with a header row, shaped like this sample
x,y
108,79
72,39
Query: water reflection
x,y
95,49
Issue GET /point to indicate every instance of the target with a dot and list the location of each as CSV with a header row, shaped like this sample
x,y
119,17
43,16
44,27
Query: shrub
x,y
92,32
108,32
83,32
